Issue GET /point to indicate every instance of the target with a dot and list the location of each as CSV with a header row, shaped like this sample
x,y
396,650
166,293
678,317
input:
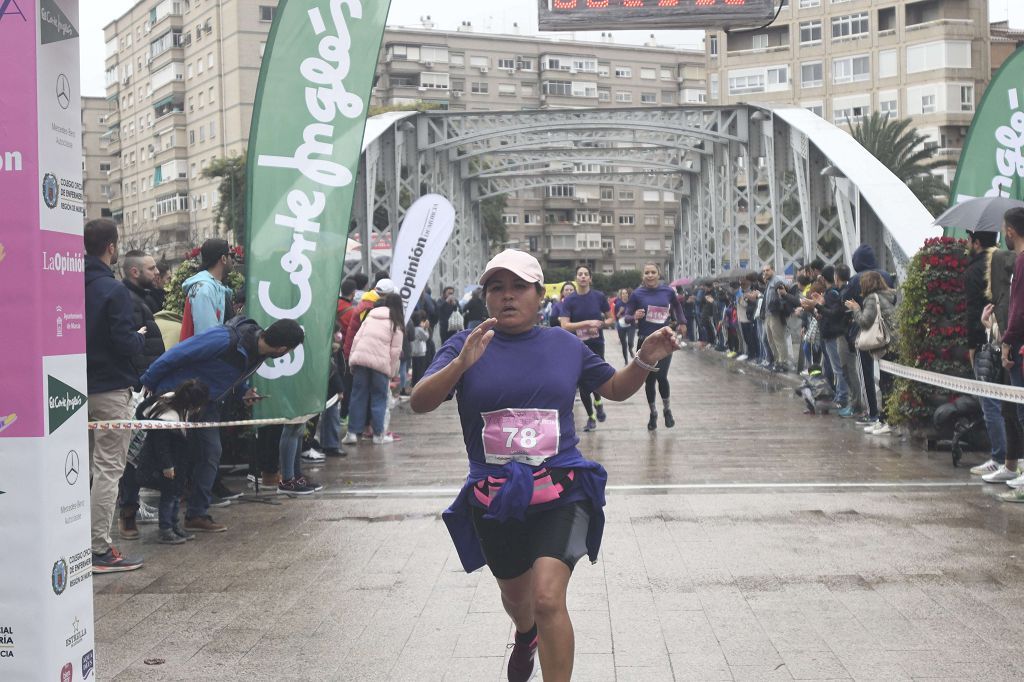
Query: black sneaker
x,y
591,425
113,562
223,492
336,452
521,661
169,537
294,487
652,423
669,421
317,487
599,407
182,533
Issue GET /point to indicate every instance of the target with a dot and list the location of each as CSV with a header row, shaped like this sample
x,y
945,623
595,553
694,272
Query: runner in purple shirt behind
x,y
655,306
586,314
531,506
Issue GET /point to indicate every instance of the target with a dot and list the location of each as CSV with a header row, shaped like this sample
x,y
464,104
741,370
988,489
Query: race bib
x,y
524,435
657,314
587,333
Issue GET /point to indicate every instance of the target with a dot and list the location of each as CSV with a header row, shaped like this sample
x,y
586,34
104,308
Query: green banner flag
x,y
991,163
304,149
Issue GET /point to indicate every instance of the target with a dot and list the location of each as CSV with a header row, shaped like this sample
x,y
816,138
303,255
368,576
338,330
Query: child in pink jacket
x,y
374,360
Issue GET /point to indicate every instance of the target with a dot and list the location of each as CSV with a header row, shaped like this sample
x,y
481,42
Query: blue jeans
x,y
368,386
403,374
208,451
289,447
842,388
992,410
330,427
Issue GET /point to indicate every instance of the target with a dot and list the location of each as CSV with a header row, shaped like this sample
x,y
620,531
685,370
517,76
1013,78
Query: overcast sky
x,y
447,16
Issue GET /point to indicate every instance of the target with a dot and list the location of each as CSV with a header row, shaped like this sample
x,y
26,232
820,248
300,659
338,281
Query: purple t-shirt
x,y
659,304
592,305
538,370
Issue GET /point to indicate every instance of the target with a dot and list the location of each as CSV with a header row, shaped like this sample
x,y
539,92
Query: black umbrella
x,y
984,214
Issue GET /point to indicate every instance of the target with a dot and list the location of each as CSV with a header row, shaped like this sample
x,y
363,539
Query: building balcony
x,y
172,54
172,185
950,28
173,153
759,50
173,87
174,118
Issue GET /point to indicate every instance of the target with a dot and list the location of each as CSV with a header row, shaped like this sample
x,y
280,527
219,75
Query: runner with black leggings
x,y
655,306
586,314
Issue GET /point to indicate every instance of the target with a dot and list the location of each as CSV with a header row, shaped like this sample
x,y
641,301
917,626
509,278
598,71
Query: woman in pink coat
x,y
374,360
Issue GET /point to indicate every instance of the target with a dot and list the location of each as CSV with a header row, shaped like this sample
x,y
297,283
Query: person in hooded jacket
x,y
879,299
864,261
208,299
111,341
374,359
139,272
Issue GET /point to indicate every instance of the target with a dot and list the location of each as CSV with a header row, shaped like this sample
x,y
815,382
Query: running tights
x,y
660,378
585,396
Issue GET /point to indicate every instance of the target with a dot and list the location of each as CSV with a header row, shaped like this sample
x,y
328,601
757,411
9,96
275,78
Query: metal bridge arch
x,y
754,184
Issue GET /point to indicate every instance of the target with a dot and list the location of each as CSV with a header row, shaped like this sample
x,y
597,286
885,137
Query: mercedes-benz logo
x,y
71,465
63,91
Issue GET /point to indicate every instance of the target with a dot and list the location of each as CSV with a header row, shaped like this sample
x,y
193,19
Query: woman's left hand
x,y
852,305
658,346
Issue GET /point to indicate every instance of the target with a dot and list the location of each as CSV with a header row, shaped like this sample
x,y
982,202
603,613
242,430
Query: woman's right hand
x,y
639,314
476,343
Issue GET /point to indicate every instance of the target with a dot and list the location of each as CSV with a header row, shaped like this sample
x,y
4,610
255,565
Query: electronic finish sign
x,y
586,15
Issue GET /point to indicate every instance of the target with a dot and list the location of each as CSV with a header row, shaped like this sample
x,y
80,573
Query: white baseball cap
x,y
519,263
385,286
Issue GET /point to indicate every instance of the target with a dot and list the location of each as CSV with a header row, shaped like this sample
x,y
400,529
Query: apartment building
x,y
181,80
96,161
610,228
926,59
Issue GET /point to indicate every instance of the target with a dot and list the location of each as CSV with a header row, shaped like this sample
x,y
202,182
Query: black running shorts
x,y
510,548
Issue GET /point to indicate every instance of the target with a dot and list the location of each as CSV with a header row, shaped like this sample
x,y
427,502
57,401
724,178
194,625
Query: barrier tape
x,y
983,389
146,424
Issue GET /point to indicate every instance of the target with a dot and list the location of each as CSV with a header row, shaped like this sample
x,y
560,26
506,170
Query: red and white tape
x,y
141,424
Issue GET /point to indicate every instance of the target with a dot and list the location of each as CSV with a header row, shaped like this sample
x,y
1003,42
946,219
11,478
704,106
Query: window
x,y
531,219
561,88
213,129
778,75
510,218
480,88
604,69
623,72
627,219
811,74
888,104
587,217
429,53
604,95
209,60
607,218
888,63
648,73
651,195
666,74
810,32
966,98
563,241
267,12
584,89
851,69
850,26
434,81
668,97
852,107
713,45
743,84
652,245
624,97
627,244
669,220
648,98
507,64
815,108
928,104
506,89
457,59
627,195
607,193
713,86
651,220
560,191
943,54
760,41
479,62
806,4
524,63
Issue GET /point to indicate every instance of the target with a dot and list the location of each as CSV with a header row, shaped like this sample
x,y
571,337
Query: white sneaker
x,y
1017,483
146,514
871,427
1000,475
383,438
986,468
741,358
350,438
313,455
883,429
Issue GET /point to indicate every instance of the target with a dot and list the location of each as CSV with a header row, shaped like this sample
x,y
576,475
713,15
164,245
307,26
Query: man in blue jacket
x,y
223,358
111,342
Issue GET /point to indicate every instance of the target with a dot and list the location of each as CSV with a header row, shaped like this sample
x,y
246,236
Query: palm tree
x,y
901,149
231,205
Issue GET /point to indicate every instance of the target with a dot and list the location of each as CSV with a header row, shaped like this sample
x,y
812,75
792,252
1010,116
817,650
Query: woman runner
x,y
625,325
586,314
654,305
532,505
568,289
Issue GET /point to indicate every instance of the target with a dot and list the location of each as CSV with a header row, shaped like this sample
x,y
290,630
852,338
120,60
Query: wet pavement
x,y
749,542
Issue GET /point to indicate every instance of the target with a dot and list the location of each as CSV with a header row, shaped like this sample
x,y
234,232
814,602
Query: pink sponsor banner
x,y
21,400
